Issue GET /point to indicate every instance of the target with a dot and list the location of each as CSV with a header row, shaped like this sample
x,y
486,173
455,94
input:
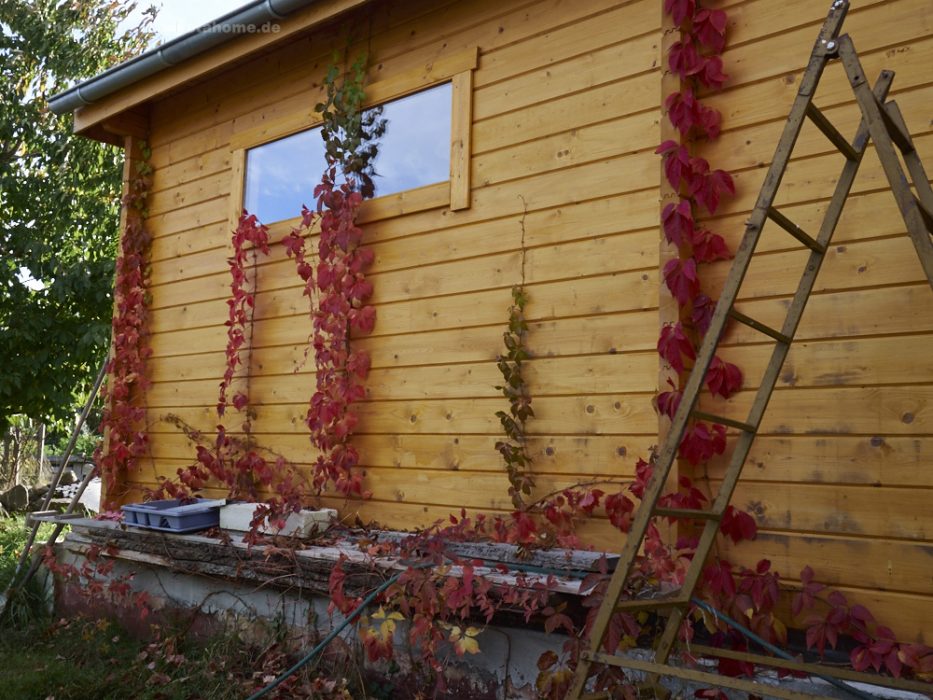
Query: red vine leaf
x,y
738,525
683,110
677,163
709,72
718,579
678,223
680,10
709,27
363,320
669,401
709,187
709,247
684,58
681,279
643,472
703,441
687,113
619,509
702,314
723,378
240,400
674,346
709,122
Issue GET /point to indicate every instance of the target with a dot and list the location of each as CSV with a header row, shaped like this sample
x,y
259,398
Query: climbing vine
x,y
228,460
696,60
441,593
514,448
747,595
249,235
124,441
338,289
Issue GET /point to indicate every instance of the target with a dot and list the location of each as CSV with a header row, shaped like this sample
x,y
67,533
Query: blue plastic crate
x,y
171,515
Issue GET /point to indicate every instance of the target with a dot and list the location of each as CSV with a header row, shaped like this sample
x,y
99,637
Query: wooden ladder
x,y
884,124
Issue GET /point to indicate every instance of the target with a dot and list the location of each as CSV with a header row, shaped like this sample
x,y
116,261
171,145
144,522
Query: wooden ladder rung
x,y
633,604
729,422
703,678
759,326
688,513
831,132
794,230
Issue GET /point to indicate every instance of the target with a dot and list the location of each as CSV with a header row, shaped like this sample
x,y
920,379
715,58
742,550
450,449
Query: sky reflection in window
x,y
415,151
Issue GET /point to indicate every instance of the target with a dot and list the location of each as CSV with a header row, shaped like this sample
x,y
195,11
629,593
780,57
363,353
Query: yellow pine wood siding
x,y
840,477
565,99
566,111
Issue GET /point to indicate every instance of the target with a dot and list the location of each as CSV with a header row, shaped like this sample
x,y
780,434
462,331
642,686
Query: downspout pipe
x,y
216,33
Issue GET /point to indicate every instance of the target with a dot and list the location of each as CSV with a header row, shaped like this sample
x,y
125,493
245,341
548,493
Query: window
x,y
423,161
413,152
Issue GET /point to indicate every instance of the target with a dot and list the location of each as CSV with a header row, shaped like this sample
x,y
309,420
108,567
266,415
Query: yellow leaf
x,y
780,629
467,645
464,641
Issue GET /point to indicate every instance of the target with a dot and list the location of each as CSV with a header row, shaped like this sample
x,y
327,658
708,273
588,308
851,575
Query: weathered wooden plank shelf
x,y
310,566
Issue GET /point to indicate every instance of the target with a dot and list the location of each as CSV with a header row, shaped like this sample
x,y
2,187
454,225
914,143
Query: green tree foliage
x,y
59,201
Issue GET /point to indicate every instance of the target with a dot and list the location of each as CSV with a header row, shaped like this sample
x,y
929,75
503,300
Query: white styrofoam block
x,y
237,516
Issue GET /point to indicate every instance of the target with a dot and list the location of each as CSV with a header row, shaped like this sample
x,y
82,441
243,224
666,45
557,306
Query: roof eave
x,y
89,99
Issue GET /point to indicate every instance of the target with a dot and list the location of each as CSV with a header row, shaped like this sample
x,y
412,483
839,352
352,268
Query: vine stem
x,y
524,250
249,345
578,485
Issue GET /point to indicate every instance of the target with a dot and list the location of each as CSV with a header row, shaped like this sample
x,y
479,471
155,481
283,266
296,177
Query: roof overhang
x,y
189,57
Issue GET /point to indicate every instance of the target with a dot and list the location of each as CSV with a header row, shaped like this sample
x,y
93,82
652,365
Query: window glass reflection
x,y
413,152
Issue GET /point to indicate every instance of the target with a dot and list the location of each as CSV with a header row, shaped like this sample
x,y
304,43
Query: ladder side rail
x,y
811,77
773,369
731,287
721,314
884,147
914,165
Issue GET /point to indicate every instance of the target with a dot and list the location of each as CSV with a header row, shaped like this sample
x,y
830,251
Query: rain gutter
x,y
246,20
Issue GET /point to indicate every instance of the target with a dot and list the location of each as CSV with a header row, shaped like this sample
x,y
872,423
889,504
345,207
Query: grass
x,y
81,659
63,659
30,605
43,658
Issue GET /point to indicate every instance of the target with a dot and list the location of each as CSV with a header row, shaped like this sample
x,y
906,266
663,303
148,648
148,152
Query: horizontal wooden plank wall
x,y
566,111
840,477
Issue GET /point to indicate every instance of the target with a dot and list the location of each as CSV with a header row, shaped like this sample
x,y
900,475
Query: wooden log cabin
x,y
550,113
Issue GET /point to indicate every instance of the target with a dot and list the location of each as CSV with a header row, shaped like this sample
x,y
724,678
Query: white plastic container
x,y
237,516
